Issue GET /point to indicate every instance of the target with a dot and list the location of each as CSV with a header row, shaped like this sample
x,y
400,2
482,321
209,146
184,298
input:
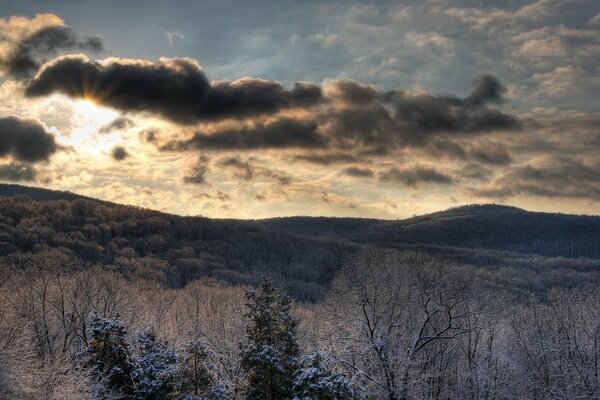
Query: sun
x,y
86,135
88,112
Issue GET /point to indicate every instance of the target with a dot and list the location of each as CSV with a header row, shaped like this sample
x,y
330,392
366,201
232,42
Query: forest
x,y
103,301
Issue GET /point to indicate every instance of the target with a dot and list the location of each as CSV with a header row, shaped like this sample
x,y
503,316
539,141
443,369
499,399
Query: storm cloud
x,y
25,140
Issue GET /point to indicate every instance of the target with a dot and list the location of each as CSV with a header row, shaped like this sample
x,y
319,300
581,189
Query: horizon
x,y
455,207
380,109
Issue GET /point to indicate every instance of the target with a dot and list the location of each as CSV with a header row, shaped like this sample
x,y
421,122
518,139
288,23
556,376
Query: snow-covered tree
x,y
315,382
110,357
157,369
270,357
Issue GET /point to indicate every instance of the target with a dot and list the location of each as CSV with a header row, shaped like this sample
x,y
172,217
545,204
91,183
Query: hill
x,y
489,226
60,229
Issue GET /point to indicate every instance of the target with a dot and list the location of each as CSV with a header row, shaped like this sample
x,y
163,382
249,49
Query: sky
x,y
236,109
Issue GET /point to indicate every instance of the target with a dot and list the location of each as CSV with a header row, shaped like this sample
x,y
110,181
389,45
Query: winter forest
x,y
300,200
109,302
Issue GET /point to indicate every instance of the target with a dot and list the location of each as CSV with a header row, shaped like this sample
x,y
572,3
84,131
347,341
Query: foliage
x,y
270,356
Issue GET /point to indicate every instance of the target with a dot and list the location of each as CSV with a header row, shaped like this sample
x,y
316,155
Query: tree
x,y
196,375
157,369
314,382
110,357
270,357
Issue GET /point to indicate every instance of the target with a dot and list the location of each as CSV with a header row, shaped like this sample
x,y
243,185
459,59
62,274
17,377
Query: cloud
x,y
420,115
245,171
179,90
171,36
325,158
25,140
490,153
432,41
119,123
488,89
196,175
26,44
476,172
17,172
280,133
416,175
342,116
358,172
547,176
356,115
175,88
119,153
243,168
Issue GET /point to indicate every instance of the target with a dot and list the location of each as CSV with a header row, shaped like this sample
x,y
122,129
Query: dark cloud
x,y
119,123
351,92
421,116
476,172
449,148
177,89
24,58
174,88
485,152
490,153
366,126
416,175
280,133
344,116
358,172
17,172
360,115
25,140
547,177
119,153
249,97
488,89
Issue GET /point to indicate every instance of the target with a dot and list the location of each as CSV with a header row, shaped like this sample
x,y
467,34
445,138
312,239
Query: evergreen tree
x,y
196,375
314,382
270,357
110,357
157,369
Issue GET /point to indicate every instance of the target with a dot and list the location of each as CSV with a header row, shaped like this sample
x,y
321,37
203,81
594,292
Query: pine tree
x,y
314,382
110,357
270,357
157,369
196,377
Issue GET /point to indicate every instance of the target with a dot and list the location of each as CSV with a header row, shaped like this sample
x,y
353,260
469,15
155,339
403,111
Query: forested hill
x,y
492,227
169,249
41,194
489,226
